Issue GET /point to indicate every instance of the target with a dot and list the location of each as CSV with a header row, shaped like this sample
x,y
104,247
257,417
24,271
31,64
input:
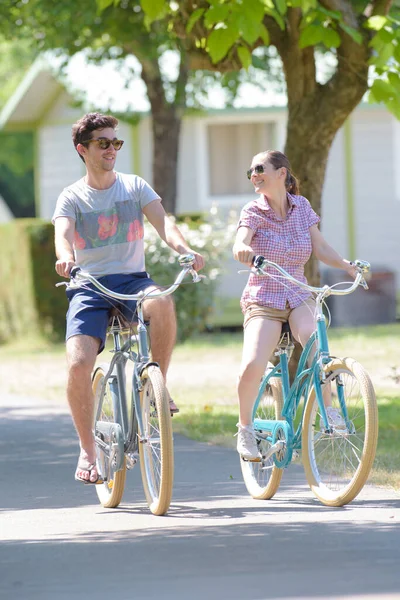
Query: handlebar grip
x,y
258,261
74,271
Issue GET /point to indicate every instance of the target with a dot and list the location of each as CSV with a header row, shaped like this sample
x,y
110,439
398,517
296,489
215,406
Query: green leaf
x,y
376,23
154,9
334,14
393,106
331,38
216,14
396,52
307,5
386,35
394,80
353,33
281,5
311,35
220,41
103,4
382,90
194,17
371,98
383,56
245,56
250,30
258,63
264,34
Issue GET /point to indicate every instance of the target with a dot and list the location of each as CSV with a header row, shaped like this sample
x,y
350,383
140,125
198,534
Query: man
x,y
99,226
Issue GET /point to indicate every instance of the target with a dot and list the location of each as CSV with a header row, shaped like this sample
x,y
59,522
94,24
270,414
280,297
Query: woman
x,y
280,225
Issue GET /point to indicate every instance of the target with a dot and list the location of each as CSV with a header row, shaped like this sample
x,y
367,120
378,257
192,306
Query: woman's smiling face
x,y
264,176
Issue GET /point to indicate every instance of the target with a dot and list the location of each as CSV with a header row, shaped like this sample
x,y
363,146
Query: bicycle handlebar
x,y
259,262
186,262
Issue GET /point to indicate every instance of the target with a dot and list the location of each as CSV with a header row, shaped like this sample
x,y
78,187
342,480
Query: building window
x,y
230,150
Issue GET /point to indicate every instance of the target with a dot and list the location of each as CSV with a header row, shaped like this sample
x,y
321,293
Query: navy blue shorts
x,y
89,310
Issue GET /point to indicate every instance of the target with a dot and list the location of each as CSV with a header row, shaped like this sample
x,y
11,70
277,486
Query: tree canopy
x,y
221,34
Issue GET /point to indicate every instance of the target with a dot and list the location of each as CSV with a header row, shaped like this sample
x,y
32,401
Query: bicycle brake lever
x,y
196,277
364,284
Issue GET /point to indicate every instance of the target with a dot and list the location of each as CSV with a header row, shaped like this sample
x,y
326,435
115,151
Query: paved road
x,y
59,543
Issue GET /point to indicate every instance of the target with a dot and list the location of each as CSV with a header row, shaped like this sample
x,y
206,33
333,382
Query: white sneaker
x,y
246,443
335,419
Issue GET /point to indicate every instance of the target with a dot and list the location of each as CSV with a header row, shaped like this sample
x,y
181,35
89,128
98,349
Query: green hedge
x,y
30,302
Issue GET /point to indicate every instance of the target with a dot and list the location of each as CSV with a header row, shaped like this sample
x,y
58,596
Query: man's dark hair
x,y
82,129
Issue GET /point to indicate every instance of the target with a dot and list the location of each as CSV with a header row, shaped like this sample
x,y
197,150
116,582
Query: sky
x,y
104,86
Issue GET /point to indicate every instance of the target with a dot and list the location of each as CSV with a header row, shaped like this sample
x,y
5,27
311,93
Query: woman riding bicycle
x,y
280,225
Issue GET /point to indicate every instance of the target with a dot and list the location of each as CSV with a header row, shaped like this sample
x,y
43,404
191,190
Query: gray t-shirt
x,y
108,224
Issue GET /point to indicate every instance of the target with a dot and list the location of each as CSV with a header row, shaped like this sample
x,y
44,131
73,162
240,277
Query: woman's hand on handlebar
x,y
64,266
198,262
243,253
350,268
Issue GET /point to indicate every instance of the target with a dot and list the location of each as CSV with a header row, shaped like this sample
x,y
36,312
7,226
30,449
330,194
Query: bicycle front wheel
x,y
337,463
111,491
156,442
262,479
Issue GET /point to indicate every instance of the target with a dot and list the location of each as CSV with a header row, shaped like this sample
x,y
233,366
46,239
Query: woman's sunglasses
x,y
104,143
258,170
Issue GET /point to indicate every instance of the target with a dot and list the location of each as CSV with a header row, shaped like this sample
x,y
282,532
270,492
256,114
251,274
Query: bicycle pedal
x,y
131,460
258,459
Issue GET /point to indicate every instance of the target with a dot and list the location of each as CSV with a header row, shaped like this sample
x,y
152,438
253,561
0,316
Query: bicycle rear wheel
x,y
111,491
337,464
156,443
262,479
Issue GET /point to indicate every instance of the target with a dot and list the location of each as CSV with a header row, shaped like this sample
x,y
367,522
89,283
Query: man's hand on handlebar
x,y
63,266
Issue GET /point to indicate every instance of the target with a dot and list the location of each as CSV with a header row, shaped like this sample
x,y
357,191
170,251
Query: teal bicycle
x,y
289,419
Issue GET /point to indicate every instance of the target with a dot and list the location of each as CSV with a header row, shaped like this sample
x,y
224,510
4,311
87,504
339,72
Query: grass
x,y
209,413
203,382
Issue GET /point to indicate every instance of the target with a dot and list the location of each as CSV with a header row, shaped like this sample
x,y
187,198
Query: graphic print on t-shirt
x,y
118,225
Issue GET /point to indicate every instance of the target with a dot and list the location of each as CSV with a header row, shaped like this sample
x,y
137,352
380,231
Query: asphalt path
x,y
216,542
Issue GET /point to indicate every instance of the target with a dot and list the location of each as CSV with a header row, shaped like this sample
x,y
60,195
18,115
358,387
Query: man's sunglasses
x,y
258,170
104,143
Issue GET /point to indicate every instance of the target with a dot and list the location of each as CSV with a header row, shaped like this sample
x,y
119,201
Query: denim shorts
x,y
89,310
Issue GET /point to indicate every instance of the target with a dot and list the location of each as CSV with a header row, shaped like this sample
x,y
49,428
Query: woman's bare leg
x,y
260,338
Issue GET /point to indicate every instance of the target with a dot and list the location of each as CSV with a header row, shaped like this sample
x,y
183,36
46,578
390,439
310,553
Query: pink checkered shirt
x,y
287,242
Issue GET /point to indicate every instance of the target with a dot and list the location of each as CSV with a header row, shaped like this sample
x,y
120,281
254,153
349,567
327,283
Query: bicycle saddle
x,y
116,314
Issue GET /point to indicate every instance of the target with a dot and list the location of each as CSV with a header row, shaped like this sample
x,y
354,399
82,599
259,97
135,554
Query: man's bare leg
x,y
81,356
161,314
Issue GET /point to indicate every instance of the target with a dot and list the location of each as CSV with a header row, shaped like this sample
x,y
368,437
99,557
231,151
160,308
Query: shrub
x,y
212,237
29,300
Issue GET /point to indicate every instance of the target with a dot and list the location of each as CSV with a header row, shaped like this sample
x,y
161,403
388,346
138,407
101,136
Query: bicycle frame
x,y
128,430
308,373
131,429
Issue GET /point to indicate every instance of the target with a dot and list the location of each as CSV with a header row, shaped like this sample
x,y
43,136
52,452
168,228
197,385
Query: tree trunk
x,y
166,126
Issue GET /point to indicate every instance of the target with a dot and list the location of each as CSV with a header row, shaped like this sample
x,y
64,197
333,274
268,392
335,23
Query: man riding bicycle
x,y
99,227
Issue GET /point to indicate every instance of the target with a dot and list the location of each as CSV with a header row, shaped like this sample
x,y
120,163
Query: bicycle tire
x,y
156,442
337,464
111,491
262,479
